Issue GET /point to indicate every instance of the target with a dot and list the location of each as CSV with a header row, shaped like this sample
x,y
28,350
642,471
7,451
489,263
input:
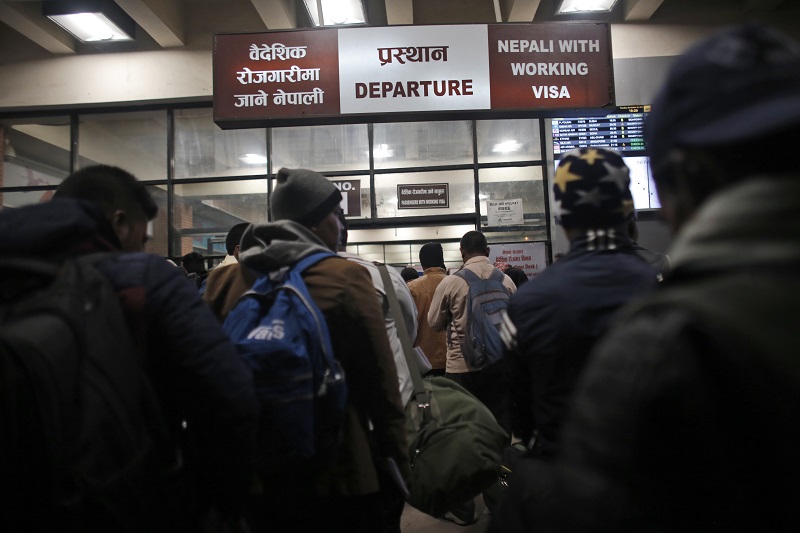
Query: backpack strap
x,y
311,260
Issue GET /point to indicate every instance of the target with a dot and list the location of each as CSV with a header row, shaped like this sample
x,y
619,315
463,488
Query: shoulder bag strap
x,y
420,394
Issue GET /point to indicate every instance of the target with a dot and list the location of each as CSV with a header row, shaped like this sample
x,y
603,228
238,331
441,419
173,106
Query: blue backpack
x,y
283,337
488,298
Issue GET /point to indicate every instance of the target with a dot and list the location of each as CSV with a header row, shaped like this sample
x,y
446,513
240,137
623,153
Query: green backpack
x,y
454,442
455,446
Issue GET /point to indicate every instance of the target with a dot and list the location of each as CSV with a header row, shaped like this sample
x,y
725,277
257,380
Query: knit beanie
x,y
431,255
303,196
592,189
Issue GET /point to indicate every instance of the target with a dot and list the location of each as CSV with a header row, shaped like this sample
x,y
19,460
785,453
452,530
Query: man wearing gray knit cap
x,y
347,497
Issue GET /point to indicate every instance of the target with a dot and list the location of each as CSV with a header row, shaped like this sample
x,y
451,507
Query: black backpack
x,y
79,422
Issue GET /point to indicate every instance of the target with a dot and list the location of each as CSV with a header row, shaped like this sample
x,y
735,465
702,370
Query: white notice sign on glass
x,y
504,212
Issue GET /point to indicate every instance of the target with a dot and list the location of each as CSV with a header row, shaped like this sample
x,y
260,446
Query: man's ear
x,y
120,223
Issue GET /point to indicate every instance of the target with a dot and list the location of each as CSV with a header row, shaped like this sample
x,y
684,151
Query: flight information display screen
x,y
622,129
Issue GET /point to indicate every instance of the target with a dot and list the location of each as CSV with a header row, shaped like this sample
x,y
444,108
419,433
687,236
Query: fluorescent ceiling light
x,y
584,6
253,159
335,12
91,21
506,147
91,27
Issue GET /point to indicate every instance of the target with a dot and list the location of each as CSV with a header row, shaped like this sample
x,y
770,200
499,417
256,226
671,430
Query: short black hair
x,y
474,242
109,188
194,262
517,275
234,236
409,274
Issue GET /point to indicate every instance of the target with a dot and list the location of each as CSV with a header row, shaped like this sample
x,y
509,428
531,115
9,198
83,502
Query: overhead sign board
x,y
325,75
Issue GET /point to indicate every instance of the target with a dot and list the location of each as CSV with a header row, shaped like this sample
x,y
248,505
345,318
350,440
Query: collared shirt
x,y
449,306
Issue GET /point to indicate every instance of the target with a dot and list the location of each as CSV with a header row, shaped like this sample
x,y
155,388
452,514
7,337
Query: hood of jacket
x,y
751,224
61,226
272,246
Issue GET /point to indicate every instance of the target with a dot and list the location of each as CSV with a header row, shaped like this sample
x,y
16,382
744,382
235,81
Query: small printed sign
x,y
351,196
529,256
504,212
423,196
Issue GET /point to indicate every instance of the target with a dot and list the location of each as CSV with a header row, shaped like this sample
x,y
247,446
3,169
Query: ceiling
x,y
26,35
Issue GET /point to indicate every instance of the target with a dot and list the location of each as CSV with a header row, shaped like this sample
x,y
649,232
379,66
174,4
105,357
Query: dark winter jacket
x,y
198,377
558,316
688,415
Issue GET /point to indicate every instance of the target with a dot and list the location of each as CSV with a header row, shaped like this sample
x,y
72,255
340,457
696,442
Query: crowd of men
x,y
651,395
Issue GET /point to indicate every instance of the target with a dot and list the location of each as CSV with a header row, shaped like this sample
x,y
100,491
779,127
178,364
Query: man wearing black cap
x,y
433,343
555,319
347,497
688,415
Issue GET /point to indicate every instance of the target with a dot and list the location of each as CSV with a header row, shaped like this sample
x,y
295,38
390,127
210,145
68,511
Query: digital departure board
x,y
622,129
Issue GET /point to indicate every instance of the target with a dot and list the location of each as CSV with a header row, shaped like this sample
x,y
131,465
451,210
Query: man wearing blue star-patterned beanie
x,y
554,320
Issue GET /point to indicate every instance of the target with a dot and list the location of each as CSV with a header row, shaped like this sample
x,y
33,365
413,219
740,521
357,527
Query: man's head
x,y
310,199
473,244
431,255
409,274
194,263
122,198
234,238
729,110
592,190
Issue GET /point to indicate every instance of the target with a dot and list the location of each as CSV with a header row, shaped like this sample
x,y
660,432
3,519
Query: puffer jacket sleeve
x,y
625,449
198,375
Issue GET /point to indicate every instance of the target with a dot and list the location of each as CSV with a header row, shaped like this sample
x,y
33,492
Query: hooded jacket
x,y
687,417
344,292
196,372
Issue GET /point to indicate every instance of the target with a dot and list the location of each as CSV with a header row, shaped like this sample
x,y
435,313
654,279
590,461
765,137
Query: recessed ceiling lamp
x,y
91,21
335,12
566,7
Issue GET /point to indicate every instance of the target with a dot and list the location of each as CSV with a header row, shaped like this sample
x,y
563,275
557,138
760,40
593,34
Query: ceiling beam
x,y
276,14
638,10
161,19
399,12
38,29
520,10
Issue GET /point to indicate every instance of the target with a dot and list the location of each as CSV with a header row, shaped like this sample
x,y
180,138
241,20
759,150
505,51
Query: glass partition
x,y
395,194
503,141
202,149
36,153
321,148
422,144
202,212
136,142
511,183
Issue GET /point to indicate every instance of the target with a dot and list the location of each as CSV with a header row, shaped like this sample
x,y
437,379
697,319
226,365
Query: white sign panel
x,y
504,212
529,256
413,69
